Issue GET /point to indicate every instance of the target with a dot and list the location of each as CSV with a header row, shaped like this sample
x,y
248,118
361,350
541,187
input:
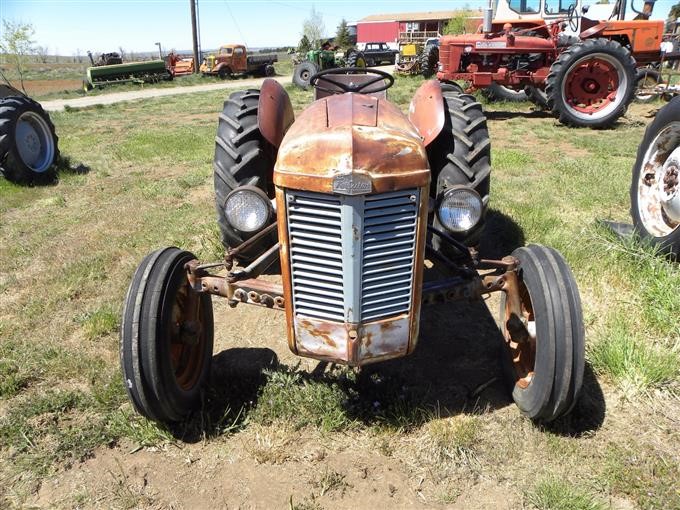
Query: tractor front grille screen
x,y
352,256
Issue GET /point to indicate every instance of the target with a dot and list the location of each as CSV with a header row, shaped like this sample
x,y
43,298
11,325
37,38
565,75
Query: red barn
x,y
403,26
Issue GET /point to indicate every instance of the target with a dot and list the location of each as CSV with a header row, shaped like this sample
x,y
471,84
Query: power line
x,y
236,23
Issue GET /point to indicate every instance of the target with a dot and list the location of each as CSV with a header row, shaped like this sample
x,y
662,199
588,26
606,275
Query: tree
x,y
342,37
303,46
41,52
313,28
673,16
456,25
17,43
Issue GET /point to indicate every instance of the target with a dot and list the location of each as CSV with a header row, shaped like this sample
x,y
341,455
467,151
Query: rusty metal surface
x,y
353,344
418,269
284,257
352,134
426,111
275,112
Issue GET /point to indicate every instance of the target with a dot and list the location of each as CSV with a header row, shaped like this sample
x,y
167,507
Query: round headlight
x,y
248,209
460,209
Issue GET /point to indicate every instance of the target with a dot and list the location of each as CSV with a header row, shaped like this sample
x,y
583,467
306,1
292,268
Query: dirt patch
x,y
43,87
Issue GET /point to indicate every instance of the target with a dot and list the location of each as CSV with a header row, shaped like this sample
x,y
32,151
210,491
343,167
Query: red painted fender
x,y
274,112
426,111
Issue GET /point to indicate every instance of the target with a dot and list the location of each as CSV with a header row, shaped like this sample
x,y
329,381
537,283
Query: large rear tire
x,y
591,83
357,59
545,356
303,72
242,157
166,338
429,61
28,142
461,154
655,187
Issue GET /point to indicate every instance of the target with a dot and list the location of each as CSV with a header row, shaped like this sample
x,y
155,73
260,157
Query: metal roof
x,y
411,16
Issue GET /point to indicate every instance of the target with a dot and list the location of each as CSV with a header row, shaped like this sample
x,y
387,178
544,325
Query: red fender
x,y
593,31
274,112
426,111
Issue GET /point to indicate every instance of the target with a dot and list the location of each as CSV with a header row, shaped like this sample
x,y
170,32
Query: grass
x,y
144,180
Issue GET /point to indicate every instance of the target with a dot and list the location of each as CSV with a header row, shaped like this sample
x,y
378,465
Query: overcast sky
x,y
67,26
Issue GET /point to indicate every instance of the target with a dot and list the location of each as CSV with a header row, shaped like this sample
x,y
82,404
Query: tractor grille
x,y
339,278
388,250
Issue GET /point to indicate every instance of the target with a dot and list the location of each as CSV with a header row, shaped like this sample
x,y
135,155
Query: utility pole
x,y
160,52
194,33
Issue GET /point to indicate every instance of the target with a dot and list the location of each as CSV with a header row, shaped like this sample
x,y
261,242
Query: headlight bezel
x,y
449,193
259,195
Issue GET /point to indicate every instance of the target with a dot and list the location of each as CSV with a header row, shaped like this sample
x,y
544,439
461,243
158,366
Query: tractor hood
x,y
480,43
352,134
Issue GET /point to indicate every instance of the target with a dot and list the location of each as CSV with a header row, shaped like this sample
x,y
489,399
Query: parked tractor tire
x,y
461,154
356,59
269,70
429,61
496,92
545,348
224,73
655,187
646,78
537,96
591,83
166,338
303,72
28,143
242,157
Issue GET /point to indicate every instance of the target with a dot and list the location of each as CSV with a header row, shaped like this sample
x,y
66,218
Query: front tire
x,y
28,142
461,154
655,187
303,72
496,92
591,83
166,338
545,356
645,79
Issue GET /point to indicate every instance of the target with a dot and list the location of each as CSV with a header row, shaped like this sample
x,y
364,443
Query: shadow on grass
x,y
63,165
507,115
456,368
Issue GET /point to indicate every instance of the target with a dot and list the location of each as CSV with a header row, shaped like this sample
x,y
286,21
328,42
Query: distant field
x,y
65,79
434,430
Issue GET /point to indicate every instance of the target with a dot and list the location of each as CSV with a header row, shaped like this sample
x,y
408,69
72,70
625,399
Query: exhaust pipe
x,y
89,54
488,17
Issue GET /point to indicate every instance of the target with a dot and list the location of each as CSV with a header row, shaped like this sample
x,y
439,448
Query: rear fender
x,y
593,31
274,112
426,111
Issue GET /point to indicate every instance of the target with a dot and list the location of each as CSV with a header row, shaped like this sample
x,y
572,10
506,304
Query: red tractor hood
x,y
351,134
501,44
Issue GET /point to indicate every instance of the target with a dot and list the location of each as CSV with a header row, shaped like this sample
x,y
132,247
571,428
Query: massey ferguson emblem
x,y
352,184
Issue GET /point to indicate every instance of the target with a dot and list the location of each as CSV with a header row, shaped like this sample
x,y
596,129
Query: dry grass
x,y
68,251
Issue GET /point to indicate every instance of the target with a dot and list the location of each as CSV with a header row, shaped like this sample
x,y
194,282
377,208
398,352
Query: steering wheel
x,y
352,87
572,17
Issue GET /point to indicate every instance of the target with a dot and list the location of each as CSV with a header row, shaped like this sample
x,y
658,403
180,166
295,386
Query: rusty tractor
x,y
349,200
28,144
585,80
655,187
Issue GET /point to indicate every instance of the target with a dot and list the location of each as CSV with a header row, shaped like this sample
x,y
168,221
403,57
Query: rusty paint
x,y
284,259
342,134
426,111
275,112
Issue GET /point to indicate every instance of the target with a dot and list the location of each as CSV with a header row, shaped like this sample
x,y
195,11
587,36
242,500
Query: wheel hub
x,y
34,142
591,86
669,186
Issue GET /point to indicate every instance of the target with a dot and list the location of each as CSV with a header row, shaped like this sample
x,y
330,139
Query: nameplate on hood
x,y
352,184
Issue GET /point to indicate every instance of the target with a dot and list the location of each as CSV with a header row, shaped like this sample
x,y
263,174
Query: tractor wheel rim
x,y
522,353
187,339
594,86
305,75
647,83
34,142
658,190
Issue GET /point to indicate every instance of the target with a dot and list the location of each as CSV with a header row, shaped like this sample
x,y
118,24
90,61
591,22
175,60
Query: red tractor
x,y
585,80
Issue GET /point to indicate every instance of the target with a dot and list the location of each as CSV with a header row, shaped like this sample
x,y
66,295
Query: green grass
x,y
555,494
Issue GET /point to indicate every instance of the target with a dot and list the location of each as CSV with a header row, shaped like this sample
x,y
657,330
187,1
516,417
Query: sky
x,y
68,27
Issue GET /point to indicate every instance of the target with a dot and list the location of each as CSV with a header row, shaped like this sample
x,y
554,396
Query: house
x,y
405,26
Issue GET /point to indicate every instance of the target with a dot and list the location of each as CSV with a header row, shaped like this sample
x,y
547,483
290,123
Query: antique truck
x,y
28,144
655,187
377,53
234,59
350,200
585,80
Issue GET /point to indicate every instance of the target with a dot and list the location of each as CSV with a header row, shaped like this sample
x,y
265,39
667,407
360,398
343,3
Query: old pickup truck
x,y
234,59
377,53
